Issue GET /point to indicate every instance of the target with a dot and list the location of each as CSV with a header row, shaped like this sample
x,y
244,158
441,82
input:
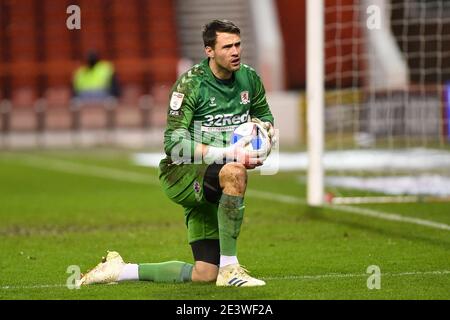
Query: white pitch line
x,y
42,286
88,170
121,175
288,277
354,275
389,216
275,196
353,210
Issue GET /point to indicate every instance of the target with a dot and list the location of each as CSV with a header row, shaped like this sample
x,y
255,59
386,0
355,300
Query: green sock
x,y
229,215
170,271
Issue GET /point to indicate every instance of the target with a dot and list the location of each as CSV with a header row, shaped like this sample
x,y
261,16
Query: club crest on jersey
x,y
244,97
212,102
176,100
197,189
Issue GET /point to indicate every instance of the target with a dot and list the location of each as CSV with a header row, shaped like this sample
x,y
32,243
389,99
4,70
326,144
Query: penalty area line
x,y
41,286
356,275
134,177
389,216
87,170
352,210
282,278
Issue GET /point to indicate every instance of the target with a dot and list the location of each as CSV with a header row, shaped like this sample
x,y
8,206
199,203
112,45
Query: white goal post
x,y
315,100
378,101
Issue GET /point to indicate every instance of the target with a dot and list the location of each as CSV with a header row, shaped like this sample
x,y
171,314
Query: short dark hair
x,y
211,28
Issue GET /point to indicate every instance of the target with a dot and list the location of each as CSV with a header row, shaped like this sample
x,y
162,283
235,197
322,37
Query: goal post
x,y
315,100
378,102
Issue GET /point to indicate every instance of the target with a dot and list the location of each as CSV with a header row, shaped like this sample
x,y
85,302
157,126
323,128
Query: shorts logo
x,y
244,97
197,190
176,100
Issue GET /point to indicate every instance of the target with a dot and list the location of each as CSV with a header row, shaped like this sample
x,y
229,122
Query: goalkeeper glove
x,y
270,131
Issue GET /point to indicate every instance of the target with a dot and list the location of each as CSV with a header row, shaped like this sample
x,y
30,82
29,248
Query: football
x,y
260,136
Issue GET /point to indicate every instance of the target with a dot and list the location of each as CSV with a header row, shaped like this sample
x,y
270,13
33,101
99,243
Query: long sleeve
x,y
260,108
178,141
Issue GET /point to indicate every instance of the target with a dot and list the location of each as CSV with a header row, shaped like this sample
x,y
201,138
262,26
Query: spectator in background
x,y
97,80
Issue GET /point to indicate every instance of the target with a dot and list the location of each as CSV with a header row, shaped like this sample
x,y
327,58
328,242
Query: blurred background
x,y
149,43
91,73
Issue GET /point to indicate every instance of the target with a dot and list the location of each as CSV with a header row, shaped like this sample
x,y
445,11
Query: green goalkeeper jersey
x,y
204,109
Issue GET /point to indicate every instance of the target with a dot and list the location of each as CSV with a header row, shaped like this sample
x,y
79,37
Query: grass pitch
x,y
66,208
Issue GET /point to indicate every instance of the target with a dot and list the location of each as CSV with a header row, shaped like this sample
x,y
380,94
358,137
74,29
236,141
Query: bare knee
x,y
233,179
204,272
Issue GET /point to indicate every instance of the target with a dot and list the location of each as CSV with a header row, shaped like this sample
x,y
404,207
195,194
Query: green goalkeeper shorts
x,y
196,188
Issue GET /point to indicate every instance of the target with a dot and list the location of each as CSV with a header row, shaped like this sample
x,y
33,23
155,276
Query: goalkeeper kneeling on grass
x,y
213,97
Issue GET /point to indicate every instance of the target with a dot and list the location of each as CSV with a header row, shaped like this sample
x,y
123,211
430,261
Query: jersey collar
x,y
226,82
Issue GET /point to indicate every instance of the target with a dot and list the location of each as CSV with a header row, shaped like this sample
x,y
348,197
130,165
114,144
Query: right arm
x,y
182,104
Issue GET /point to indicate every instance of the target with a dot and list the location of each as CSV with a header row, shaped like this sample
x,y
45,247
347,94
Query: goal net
x,y
386,101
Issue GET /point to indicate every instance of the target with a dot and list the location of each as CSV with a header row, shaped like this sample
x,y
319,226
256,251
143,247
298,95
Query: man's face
x,y
227,52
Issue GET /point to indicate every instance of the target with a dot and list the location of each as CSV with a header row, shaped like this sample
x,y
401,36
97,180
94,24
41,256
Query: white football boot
x,y
106,271
235,275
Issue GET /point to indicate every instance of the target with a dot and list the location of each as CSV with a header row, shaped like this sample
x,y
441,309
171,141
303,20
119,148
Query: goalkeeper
x,y
202,172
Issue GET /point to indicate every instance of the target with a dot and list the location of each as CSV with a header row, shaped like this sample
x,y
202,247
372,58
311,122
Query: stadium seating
x,y
38,56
